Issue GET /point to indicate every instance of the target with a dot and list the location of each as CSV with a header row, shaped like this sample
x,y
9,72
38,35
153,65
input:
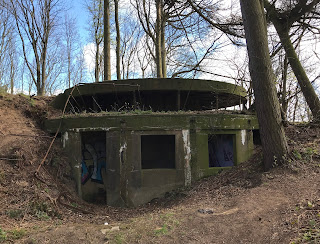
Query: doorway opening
x,y
220,147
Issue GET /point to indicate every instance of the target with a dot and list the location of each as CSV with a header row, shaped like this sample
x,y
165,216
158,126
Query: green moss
x,y
161,121
3,235
162,231
17,234
15,213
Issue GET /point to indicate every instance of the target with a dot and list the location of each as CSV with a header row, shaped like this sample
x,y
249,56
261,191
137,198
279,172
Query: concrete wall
x,y
146,184
242,149
71,142
125,183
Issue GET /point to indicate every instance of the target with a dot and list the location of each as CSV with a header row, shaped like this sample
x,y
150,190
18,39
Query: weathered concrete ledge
x,y
165,121
156,94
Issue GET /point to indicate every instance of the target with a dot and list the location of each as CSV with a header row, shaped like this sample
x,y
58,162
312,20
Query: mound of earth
x,y
243,205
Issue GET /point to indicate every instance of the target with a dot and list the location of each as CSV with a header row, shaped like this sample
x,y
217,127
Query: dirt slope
x,y
243,205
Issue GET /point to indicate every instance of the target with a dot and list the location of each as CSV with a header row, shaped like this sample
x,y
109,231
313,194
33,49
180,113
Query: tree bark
x,y
274,144
307,89
12,75
158,40
106,49
163,42
96,66
284,101
116,17
282,27
35,26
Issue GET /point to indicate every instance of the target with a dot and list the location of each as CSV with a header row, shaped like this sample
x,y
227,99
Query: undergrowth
x,y
10,236
308,222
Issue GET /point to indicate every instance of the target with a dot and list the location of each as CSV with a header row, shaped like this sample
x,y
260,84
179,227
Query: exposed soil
x,y
242,205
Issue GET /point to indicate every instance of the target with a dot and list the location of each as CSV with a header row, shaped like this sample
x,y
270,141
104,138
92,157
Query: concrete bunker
x,y
134,140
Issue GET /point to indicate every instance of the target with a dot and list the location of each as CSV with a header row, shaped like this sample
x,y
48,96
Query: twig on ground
x,y
23,135
11,159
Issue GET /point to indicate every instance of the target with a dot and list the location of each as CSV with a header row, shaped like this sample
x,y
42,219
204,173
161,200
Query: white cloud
x,y
88,51
89,57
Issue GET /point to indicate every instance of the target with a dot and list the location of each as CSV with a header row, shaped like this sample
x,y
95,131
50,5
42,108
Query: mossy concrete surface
x,y
164,121
125,182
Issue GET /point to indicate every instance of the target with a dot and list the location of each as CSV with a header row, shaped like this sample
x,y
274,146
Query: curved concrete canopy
x,y
156,94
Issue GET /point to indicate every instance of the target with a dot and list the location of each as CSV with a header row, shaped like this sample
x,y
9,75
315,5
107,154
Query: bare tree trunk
x,y
35,25
12,75
22,77
282,28
163,42
5,39
273,138
123,65
303,80
116,17
284,102
106,49
39,90
43,67
158,40
284,84
96,11
70,35
12,59
69,69
295,105
250,94
97,61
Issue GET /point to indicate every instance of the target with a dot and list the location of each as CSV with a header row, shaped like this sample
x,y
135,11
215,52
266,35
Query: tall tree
x,y
158,38
177,37
96,13
163,22
283,21
35,21
118,38
70,41
73,52
130,42
13,62
6,29
273,138
79,73
107,41
55,67
153,29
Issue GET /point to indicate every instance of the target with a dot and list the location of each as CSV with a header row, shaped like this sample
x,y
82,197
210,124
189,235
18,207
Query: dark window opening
x,y
158,152
220,150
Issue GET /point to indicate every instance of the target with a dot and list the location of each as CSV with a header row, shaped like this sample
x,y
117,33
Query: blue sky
x,y
79,12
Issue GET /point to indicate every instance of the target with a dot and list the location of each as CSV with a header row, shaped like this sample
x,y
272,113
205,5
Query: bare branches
x,y
283,23
6,40
227,28
35,22
95,9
